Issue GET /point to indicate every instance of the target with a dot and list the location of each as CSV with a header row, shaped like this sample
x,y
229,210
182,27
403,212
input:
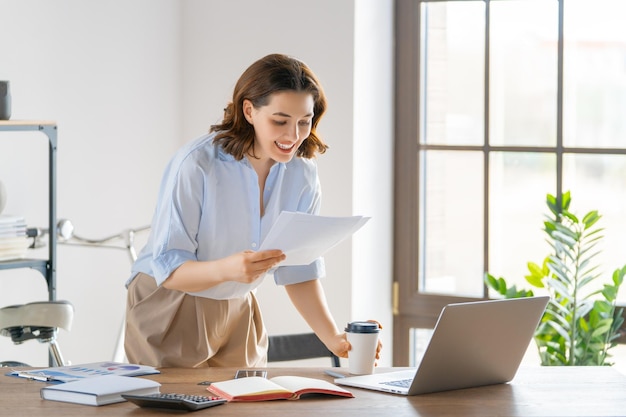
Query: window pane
x,y
419,340
597,183
451,226
594,72
452,73
523,73
519,183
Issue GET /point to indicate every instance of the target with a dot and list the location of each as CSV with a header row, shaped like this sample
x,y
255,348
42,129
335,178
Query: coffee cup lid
x,y
362,327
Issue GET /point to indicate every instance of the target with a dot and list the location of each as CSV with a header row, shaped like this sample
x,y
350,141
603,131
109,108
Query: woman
x,y
191,299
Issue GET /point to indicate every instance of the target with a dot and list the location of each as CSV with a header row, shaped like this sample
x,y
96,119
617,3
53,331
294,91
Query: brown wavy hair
x,y
270,74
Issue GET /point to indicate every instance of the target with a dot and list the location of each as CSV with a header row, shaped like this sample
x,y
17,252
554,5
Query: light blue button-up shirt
x,y
208,208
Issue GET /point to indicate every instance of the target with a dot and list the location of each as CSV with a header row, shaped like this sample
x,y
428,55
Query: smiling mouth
x,y
285,147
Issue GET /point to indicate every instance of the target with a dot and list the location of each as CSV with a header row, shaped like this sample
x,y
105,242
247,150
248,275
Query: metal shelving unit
x,y
47,267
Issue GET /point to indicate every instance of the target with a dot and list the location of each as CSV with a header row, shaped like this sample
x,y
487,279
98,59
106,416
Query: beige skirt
x,y
168,328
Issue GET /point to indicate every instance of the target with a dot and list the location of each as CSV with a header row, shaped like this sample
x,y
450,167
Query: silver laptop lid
x,y
478,343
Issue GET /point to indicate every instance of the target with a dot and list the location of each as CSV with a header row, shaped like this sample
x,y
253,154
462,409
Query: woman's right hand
x,y
248,266
245,267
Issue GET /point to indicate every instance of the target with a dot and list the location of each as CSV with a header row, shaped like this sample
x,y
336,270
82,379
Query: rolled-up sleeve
x,y
166,262
286,275
177,217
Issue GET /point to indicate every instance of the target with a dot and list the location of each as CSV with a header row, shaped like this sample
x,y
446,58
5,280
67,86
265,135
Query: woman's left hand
x,y
340,345
380,344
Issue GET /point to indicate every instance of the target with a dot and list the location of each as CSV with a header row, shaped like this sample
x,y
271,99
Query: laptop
x,y
473,344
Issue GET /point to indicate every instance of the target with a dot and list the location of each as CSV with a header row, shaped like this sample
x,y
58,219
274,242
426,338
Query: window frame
x,y
412,308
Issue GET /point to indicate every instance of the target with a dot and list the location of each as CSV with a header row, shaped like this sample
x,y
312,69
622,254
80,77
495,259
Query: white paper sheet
x,y
306,237
83,371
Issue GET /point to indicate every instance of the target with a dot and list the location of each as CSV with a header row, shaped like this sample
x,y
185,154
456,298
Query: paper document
x,y
306,237
77,372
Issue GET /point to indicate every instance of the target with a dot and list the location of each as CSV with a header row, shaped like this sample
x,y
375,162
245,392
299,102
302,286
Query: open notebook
x,y
473,344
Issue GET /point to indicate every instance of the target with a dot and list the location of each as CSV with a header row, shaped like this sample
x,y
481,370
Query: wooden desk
x,y
545,391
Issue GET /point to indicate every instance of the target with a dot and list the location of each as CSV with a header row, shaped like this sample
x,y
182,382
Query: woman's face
x,y
281,125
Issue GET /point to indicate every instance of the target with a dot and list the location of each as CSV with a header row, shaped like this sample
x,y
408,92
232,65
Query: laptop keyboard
x,y
402,383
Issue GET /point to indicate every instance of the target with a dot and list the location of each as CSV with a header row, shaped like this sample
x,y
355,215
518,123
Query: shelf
x,y
47,267
27,123
40,265
47,127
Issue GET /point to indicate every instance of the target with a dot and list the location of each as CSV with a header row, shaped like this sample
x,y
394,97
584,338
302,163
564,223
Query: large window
x,y
499,103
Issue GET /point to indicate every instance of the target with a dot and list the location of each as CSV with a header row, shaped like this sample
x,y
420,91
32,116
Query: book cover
x,y
76,372
278,388
107,389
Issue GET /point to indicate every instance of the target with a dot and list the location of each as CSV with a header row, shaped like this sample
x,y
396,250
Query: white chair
x,y
37,320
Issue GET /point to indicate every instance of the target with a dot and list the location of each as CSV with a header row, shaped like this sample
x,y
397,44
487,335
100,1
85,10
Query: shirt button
x,y
254,244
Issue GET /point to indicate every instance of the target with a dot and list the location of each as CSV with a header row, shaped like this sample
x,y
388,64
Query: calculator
x,y
174,401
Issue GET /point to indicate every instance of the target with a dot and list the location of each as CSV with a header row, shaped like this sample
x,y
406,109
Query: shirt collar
x,y
224,156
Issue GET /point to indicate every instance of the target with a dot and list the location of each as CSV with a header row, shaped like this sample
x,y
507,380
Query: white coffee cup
x,y
363,337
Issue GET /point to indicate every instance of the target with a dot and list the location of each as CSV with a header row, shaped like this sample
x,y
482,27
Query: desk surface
x,y
545,391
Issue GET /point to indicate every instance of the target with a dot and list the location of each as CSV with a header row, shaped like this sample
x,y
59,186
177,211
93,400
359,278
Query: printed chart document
x,y
89,370
256,388
306,237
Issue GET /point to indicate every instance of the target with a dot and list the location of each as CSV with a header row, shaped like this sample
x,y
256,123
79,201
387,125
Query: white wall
x,y
109,73
128,82
372,251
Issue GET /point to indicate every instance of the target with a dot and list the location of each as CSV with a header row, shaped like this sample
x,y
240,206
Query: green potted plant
x,y
581,322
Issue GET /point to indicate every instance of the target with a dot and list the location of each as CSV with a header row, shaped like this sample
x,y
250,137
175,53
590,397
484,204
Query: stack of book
x,y
13,240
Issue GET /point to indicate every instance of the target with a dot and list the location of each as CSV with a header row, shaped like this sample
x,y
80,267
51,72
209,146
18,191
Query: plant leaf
x,y
566,199
552,204
535,278
570,216
610,292
618,276
591,218
560,330
604,326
